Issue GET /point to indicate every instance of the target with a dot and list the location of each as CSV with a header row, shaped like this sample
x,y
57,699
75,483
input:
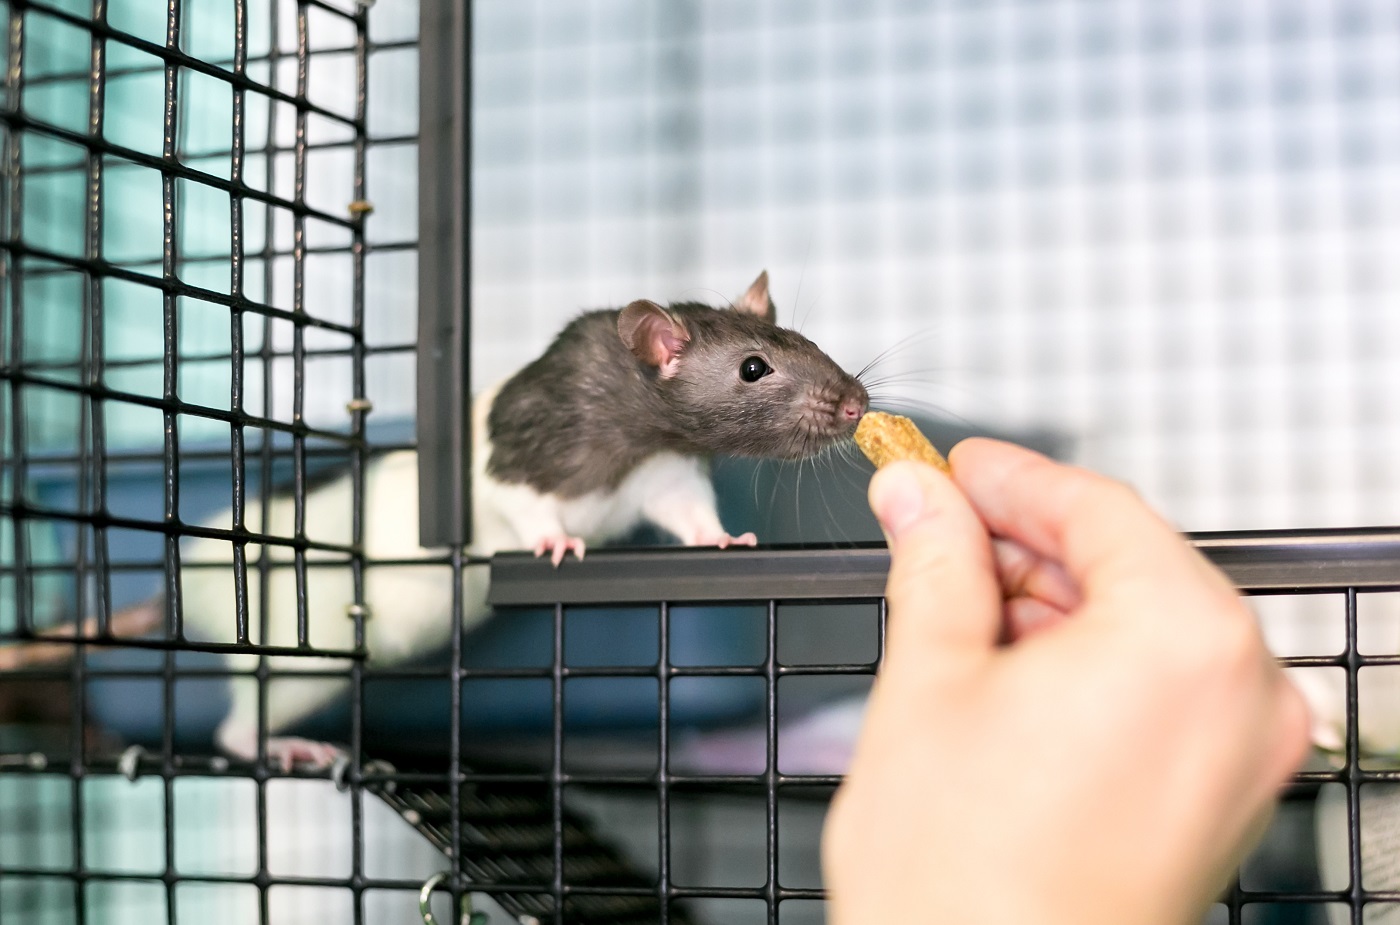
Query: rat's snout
x,y
833,409
825,412
854,403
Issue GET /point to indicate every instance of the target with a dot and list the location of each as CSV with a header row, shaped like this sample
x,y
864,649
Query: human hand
x,y
1076,719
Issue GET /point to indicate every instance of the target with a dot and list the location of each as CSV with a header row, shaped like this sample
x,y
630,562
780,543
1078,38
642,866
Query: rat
x,y
615,422
612,426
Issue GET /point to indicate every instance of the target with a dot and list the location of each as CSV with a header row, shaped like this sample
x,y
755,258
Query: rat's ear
x,y
653,335
757,302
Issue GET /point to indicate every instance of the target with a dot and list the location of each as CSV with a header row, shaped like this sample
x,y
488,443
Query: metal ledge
x,y
638,576
1293,561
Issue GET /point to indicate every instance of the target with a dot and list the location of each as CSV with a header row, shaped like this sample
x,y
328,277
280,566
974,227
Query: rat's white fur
x,y
409,605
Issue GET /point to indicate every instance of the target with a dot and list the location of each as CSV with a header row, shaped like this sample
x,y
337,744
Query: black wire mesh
x,y
159,199
1331,575
565,815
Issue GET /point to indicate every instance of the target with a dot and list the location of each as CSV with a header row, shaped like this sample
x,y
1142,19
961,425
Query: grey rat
x,y
615,421
611,426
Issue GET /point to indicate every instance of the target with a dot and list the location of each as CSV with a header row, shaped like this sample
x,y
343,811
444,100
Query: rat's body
x,y
586,413
612,426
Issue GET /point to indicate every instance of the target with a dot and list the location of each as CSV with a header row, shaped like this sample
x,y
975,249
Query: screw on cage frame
x,y
466,916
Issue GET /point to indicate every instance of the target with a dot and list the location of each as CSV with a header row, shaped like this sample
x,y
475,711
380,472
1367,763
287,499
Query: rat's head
x,y
740,384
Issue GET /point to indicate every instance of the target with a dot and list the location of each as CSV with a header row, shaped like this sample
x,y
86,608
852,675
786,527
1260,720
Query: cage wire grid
x,y
509,830
27,259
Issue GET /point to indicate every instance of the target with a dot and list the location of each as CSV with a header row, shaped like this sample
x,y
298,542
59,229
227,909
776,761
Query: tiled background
x,y
1166,230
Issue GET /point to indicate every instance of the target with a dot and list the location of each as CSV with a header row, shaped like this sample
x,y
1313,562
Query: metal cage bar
x,y
444,229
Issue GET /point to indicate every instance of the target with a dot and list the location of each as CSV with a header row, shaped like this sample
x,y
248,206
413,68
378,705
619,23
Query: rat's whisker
x,y
893,351
831,520
754,476
921,407
782,467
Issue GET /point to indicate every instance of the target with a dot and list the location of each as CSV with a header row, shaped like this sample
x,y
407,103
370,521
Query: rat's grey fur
x,y
584,414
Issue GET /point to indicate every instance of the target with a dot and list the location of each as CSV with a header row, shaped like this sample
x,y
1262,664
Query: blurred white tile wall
x,y
1165,229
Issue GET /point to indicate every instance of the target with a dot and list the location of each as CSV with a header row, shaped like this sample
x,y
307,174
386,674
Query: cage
x,y
217,215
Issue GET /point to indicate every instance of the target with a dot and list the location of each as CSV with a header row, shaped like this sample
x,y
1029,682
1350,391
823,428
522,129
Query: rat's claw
x,y
559,546
744,539
288,751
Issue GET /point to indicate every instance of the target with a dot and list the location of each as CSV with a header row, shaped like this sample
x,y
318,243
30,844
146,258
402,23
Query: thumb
x,y
943,594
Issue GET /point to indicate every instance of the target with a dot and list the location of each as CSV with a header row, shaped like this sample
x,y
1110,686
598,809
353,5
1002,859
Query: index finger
x,y
945,605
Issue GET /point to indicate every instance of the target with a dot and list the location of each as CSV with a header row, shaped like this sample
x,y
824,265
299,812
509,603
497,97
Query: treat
x,y
885,438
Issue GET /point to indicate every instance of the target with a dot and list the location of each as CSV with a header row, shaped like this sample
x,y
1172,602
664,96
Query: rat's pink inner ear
x,y
653,335
756,300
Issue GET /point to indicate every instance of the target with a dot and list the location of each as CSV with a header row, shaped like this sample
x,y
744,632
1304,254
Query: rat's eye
x,y
754,369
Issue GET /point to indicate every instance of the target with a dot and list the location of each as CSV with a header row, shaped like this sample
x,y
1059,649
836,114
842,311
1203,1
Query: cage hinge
x,y
358,611
359,404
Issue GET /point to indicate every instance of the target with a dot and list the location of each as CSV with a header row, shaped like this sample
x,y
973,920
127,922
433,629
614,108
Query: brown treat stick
x,y
885,438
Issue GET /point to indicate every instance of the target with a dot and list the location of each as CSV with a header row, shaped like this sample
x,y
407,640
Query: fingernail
x,y
899,500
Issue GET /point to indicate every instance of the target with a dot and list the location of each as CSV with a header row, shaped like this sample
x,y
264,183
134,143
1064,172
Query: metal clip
x,y
379,766
359,404
338,769
130,761
354,611
342,764
361,206
467,917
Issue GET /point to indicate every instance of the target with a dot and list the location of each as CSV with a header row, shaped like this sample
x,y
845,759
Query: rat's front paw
x,y
288,752
724,540
558,547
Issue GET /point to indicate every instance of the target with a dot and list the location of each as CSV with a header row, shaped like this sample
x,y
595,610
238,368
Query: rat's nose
x,y
852,409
